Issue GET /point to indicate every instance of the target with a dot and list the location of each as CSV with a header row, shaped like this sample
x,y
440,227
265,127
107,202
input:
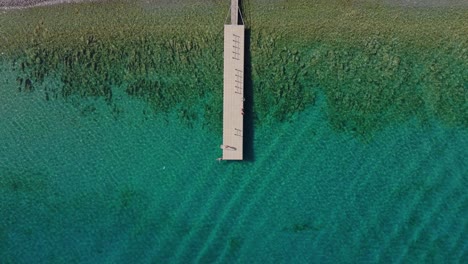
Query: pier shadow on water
x,y
249,101
248,133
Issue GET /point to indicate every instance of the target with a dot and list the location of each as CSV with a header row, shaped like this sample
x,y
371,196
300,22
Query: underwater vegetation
x,y
376,65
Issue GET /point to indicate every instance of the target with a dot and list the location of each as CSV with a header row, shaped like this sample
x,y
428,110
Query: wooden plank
x,y
233,104
234,12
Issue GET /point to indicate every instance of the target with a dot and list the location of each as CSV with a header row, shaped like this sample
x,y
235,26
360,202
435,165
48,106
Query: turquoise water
x,y
82,184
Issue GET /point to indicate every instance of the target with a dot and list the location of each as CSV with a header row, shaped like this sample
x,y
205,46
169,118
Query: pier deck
x,y
233,103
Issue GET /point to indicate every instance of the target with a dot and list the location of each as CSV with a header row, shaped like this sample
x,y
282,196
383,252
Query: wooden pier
x,y
233,102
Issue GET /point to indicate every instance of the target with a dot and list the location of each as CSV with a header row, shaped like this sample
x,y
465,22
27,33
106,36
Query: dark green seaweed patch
x,y
169,73
19,181
281,83
371,77
379,83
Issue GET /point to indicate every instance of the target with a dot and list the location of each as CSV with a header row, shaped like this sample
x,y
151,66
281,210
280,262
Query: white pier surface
x,y
233,106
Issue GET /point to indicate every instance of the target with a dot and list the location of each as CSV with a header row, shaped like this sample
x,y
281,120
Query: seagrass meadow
x,y
376,65
111,119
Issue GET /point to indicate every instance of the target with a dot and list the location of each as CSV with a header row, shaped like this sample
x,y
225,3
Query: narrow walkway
x,y
233,109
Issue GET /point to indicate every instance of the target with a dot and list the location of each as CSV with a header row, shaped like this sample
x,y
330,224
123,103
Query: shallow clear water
x,y
89,187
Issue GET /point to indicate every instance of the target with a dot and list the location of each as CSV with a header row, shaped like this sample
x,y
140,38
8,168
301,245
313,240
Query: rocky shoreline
x,y
17,4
